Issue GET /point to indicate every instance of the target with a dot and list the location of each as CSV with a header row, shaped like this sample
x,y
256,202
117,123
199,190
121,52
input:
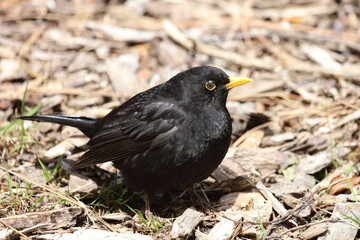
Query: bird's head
x,y
205,84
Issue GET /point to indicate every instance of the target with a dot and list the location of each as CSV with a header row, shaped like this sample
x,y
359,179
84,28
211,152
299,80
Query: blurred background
x,y
114,49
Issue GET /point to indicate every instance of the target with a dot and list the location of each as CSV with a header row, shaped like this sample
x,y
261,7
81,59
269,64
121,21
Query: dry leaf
x,y
343,184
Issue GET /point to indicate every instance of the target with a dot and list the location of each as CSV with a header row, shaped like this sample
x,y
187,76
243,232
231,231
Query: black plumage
x,y
168,137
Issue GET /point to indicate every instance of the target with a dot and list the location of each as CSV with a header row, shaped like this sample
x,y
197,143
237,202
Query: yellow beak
x,y
236,81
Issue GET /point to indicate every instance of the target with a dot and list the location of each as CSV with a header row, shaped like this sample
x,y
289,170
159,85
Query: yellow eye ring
x,y
210,85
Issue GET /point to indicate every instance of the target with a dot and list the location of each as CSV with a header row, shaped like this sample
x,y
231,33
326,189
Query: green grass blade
x,y
352,219
137,212
24,98
34,110
46,173
9,183
22,133
36,202
57,166
8,127
261,225
17,147
346,173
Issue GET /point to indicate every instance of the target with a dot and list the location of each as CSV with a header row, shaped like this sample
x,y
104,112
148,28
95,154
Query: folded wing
x,y
126,132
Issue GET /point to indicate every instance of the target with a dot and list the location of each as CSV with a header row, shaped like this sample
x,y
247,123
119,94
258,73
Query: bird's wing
x,y
126,132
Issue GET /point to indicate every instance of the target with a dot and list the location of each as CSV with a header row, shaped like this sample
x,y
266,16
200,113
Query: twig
x,y
213,51
347,104
287,60
246,11
298,227
294,64
11,93
248,133
59,194
29,42
304,202
17,231
237,230
307,95
279,208
348,118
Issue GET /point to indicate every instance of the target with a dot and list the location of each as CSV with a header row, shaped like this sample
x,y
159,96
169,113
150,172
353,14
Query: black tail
x,y
84,124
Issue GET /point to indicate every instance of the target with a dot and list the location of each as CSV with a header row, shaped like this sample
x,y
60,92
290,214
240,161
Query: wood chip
x,y
241,161
186,223
346,119
11,69
35,173
277,139
278,207
345,229
81,184
65,217
94,234
317,162
320,56
65,146
314,231
224,229
242,200
123,34
122,73
343,184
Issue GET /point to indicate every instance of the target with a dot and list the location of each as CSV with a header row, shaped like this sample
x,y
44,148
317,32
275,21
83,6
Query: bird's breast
x,y
190,155
202,135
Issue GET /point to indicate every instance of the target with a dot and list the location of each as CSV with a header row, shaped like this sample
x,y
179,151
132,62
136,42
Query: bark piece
x,y
61,218
251,205
241,161
313,164
122,73
240,183
123,34
224,229
6,233
81,184
65,146
35,173
170,54
186,223
345,229
314,231
278,139
298,186
201,236
80,102
83,60
94,234
242,200
120,217
320,56
11,69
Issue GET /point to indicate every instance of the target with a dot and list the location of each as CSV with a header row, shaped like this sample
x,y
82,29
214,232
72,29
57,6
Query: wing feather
x,y
125,133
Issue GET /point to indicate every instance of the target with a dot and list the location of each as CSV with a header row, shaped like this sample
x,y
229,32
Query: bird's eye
x,y
210,85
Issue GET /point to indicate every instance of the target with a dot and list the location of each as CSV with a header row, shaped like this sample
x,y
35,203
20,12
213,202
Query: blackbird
x,y
168,137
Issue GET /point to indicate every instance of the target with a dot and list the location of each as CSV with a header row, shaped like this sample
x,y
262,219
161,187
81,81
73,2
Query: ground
x,y
292,171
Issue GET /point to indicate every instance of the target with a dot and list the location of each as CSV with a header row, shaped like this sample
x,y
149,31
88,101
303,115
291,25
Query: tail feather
x,y
84,124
